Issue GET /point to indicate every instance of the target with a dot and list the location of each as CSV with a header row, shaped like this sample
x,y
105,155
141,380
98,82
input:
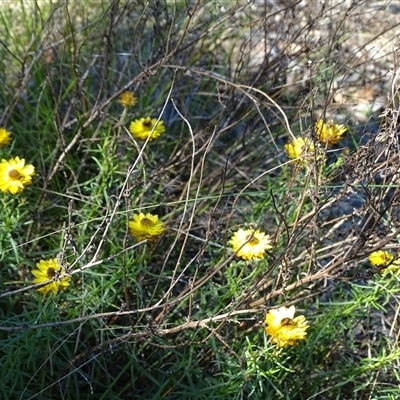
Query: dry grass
x,y
233,82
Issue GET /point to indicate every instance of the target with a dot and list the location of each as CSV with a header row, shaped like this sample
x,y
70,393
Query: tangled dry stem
x,y
271,80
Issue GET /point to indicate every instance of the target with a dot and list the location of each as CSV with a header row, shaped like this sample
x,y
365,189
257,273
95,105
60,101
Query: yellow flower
x,y
15,175
329,133
250,244
47,270
299,148
5,137
380,257
145,226
383,258
127,99
144,127
284,329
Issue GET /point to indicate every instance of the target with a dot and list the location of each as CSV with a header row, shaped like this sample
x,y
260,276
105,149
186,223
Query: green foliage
x,y
181,317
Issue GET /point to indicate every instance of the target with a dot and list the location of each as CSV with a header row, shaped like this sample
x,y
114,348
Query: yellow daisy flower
x,y
15,175
144,127
329,133
299,148
47,270
284,329
250,244
127,99
5,137
145,226
384,258
380,257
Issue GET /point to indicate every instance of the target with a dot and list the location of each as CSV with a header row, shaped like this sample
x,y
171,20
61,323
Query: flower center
x,y
51,272
287,322
252,240
147,123
14,174
146,222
